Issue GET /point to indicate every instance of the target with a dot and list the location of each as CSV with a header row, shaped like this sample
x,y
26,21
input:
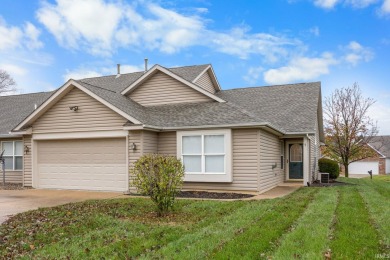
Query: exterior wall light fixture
x,y
133,146
74,108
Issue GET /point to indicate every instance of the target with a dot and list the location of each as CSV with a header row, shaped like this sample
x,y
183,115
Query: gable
x,y
161,89
205,82
90,116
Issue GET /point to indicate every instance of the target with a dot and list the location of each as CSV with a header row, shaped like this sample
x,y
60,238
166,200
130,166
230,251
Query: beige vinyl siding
x,y
167,143
162,89
205,82
269,155
10,176
27,163
149,142
245,164
91,115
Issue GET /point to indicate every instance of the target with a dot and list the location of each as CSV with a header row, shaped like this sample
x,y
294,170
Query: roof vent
x,y
118,67
146,65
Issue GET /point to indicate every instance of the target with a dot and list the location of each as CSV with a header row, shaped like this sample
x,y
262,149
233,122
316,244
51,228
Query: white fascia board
x,y
27,131
248,125
81,135
173,75
62,92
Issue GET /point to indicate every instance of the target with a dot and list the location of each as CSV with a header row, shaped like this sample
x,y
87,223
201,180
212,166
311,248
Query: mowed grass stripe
x,y
259,237
309,239
201,244
379,208
354,235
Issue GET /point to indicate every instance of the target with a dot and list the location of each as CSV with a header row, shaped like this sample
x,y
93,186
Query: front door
x,y
295,161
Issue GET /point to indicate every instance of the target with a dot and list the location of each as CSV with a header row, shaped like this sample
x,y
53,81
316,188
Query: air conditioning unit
x,y
324,177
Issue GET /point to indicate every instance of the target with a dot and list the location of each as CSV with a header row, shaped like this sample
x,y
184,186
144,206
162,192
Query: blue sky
x,y
249,43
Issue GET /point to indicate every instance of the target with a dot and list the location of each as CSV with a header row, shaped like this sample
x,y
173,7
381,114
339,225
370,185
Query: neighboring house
x,y
379,164
89,132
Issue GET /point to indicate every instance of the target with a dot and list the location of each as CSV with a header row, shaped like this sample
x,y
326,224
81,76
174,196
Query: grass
x,y
344,222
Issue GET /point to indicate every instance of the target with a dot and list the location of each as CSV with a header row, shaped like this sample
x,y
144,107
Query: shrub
x,y
329,166
160,177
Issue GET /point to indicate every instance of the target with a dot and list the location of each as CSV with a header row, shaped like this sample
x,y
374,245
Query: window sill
x,y
205,177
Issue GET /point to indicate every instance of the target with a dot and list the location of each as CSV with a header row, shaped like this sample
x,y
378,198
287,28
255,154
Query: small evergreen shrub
x,y
329,166
160,177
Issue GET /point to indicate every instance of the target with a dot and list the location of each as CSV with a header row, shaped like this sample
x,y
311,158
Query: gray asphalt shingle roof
x,y
289,108
15,108
382,144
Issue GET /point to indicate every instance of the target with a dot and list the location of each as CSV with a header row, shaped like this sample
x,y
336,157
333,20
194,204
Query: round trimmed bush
x,y
329,166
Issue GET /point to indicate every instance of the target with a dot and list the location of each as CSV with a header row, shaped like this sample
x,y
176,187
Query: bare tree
x,y
348,128
7,83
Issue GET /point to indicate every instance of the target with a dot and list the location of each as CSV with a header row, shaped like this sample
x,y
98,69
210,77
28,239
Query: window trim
x,y
203,176
14,156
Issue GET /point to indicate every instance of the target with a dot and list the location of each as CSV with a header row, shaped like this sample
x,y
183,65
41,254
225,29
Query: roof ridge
x,y
95,86
206,64
23,94
269,86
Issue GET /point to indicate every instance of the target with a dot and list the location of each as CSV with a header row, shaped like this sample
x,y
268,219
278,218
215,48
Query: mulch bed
x,y
212,195
331,183
208,195
13,186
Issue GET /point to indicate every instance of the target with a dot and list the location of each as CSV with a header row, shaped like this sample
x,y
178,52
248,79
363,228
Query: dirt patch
x,y
331,183
13,186
212,195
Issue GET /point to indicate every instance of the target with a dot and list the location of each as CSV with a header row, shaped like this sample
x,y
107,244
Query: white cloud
x,y
300,69
360,3
13,37
10,36
385,8
327,4
13,69
357,53
114,25
87,72
253,75
32,36
80,74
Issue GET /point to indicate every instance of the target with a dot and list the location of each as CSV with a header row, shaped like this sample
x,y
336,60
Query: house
x,y
379,164
88,133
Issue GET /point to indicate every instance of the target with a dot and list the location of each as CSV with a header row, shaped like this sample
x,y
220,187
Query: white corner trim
x,y
62,92
173,75
209,177
80,135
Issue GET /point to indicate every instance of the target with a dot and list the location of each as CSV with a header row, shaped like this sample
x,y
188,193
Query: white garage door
x,y
90,164
363,167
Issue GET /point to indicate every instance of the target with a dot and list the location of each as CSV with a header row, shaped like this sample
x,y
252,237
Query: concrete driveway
x,y
17,201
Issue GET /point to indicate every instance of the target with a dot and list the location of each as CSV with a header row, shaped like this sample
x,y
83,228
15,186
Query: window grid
x,y
13,155
204,154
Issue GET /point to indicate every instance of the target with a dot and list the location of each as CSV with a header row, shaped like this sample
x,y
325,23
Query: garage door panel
x,y
363,167
96,164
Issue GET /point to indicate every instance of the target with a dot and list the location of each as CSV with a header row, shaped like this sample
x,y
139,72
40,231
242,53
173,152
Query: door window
x,y
296,153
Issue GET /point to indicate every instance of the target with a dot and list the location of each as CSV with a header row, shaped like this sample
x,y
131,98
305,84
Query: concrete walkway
x,y
278,192
16,201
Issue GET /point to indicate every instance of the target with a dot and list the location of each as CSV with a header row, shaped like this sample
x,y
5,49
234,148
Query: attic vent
x,y
118,66
146,65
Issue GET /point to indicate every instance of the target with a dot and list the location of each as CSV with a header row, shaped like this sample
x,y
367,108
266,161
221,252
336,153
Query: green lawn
x,y
344,222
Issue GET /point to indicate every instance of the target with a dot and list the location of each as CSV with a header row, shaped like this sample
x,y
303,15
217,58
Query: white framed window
x,y
206,155
13,155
